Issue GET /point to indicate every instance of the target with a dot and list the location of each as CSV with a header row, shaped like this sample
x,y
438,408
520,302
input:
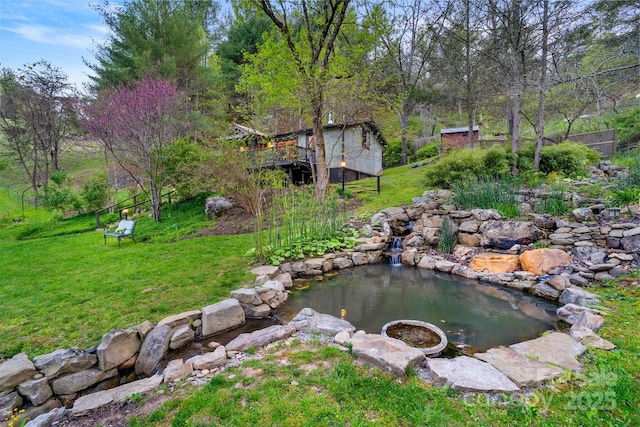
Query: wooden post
x,y
97,220
378,184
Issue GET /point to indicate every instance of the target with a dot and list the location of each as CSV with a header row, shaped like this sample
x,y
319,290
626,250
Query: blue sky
x,y
60,31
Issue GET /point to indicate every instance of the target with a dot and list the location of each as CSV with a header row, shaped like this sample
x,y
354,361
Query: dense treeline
x,y
279,65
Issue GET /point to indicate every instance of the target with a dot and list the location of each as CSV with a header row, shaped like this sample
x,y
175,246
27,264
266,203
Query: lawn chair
x,y
125,229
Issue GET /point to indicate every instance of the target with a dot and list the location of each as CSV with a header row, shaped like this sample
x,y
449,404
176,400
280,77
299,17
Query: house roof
x,y
237,131
459,130
369,123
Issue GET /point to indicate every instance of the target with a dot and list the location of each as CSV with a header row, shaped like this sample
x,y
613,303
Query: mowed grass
x,y
69,290
397,187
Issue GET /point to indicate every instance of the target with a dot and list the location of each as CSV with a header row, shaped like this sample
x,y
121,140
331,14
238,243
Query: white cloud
x,y
52,35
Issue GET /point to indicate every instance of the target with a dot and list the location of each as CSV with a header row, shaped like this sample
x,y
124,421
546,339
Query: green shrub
x,y
94,192
624,196
628,128
569,159
468,165
392,155
428,151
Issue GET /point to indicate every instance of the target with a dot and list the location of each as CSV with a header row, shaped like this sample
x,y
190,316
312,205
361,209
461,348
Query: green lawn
x,y
69,290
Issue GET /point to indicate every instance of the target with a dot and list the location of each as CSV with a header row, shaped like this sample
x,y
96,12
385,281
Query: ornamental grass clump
x,y
488,194
301,225
447,236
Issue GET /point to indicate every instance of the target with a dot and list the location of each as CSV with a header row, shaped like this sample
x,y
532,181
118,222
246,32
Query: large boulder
x,y
505,234
246,296
495,263
541,261
309,320
181,337
176,370
388,354
116,348
221,316
9,402
14,371
64,361
153,349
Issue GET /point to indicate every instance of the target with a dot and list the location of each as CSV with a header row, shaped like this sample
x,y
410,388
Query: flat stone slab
x,y
523,371
261,337
180,319
556,348
468,374
388,354
265,270
119,394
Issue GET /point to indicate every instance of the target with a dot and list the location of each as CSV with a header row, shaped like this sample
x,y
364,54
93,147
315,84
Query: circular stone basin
x,y
415,333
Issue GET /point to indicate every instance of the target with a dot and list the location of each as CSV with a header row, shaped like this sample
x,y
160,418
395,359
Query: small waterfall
x,y
395,259
396,244
396,250
410,226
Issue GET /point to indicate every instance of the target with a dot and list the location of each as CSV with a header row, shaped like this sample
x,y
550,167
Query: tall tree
x,y
244,37
170,37
462,61
138,122
512,48
412,34
35,108
309,31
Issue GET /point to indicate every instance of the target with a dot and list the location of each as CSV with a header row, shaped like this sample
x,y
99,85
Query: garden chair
x,y
125,229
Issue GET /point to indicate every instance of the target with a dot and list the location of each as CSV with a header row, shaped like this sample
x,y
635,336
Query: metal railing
x,y
135,204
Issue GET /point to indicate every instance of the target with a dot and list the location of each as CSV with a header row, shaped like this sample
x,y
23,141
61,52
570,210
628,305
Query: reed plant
x,y
447,236
300,225
554,201
500,195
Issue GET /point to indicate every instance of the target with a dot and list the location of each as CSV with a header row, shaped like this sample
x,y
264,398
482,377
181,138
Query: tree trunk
x,y
515,130
543,86
322,172
155,201
404,122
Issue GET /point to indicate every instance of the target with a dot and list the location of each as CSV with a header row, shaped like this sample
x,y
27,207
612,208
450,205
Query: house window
x,y
367,136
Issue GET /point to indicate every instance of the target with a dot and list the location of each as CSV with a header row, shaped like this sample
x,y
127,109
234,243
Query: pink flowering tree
x,y
137,122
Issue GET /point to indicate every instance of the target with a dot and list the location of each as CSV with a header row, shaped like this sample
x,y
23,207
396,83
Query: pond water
x,y
476,314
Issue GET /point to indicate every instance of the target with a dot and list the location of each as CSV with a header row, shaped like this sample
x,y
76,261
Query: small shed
x,y
458,137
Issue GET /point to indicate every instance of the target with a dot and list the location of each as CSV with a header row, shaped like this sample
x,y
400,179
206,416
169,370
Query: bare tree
x,y
409,43
34,116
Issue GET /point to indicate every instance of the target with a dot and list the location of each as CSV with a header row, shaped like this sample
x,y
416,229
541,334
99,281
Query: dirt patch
x,y
117,414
